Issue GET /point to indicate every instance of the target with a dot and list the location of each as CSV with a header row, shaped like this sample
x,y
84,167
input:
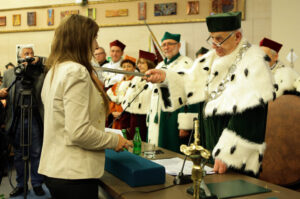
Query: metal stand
x,y
199,156
23,113
26,134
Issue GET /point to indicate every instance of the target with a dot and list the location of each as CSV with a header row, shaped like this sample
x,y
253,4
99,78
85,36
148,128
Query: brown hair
x,y
150,64
73,41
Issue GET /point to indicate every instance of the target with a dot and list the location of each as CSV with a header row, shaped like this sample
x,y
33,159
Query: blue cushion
x,y
134,170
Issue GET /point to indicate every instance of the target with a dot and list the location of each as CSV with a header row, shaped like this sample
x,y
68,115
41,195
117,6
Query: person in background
x,y
9,66
137,98
75,109
100,56
201,52
98,61
234,89
116,95
116,53
163,127
285,77
13,123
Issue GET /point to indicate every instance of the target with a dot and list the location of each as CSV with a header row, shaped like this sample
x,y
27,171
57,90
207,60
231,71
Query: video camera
x,y
27,72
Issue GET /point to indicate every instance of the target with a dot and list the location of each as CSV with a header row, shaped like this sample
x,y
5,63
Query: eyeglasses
x,y
168,44
210,41
97,54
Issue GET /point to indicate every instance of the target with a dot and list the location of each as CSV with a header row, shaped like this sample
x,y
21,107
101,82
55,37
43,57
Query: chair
x,y
281,163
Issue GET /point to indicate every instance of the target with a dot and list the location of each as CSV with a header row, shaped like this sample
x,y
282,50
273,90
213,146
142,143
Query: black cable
x,y
128,105
181,178
151,191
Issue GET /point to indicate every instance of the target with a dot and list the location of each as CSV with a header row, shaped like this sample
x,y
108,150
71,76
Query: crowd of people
x,y
227,88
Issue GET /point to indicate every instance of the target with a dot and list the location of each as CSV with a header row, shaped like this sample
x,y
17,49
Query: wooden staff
x,y
155,40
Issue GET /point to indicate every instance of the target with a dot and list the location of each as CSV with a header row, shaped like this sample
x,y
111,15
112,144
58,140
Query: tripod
x,y
22,127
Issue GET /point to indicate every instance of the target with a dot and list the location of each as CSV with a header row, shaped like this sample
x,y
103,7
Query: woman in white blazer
x,y
75,106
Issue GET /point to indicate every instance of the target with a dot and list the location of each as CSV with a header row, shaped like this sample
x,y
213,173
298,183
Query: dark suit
x,y
15,132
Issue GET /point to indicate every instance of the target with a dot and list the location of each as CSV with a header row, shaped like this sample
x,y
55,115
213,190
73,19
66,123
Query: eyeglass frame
x,y
220,43
169,44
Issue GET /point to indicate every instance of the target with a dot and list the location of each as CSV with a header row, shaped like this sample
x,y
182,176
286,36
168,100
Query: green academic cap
x,y
168,35
224,22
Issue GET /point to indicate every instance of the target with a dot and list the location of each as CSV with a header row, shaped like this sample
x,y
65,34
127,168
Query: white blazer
x,y
74,122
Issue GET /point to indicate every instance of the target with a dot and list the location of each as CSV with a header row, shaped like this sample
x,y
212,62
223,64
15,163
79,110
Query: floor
x,y
5,189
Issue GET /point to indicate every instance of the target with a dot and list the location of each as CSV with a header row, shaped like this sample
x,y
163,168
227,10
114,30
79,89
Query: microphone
x,y
128,105
181,178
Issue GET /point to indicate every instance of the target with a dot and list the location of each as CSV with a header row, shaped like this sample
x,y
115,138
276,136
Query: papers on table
x,y
116,131
173,166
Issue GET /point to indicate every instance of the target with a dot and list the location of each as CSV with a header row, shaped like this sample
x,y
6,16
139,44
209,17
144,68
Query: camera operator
x,y
13,127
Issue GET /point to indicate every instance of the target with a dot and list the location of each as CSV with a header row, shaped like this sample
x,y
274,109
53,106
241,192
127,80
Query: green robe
x,y
168,129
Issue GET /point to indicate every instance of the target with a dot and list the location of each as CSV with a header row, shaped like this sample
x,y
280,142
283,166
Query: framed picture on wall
x,y
142,10
3,21
192,8
116,13
16,20
68,12
50,17
31,18
221,6
91,13
165,9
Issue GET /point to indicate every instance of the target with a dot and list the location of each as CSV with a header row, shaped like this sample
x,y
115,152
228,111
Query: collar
x,y
274,65
167,62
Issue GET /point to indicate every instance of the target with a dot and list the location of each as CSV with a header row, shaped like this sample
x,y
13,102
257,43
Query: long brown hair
x,y
73,40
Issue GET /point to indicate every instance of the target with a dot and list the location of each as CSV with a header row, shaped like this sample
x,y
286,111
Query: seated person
x,y
136,100
116,94
285,77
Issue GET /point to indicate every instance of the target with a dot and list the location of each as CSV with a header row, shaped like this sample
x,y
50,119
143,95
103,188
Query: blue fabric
x,y
134,170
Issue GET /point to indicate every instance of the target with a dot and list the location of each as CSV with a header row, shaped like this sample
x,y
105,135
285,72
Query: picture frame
x,y
91,13
50,17
142,11
165,9
31,18
16,20
192,8
116,13
222,6
3,21
66,13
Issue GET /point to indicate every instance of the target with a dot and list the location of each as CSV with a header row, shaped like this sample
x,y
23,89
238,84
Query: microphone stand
x,y
128,105
181,178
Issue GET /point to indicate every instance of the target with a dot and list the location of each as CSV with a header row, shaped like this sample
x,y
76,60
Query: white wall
x,y
286,28
256,25
6,4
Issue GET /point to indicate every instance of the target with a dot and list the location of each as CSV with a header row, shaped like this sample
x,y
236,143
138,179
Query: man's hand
x,y
116,114
155,76
36,59
3,93
183,133
123,143
219,166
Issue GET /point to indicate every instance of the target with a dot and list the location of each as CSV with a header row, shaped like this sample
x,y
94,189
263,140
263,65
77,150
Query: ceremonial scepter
x,y
199,156
155,40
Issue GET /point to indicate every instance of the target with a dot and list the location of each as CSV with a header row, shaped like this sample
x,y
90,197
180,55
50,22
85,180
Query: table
x,y
119,189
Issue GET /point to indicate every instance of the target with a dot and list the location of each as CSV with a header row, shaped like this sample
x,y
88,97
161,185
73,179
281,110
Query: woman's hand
x,y
116,114
123,143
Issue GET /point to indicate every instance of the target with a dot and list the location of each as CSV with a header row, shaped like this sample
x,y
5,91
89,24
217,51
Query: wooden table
x,y
119,189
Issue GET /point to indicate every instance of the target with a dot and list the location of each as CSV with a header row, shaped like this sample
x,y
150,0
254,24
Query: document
x,y
173,166
116,131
